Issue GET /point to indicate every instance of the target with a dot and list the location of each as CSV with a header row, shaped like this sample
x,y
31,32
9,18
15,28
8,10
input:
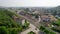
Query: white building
x,y
23,21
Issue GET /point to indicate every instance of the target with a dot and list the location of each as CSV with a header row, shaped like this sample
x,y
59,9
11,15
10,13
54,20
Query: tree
x,y
26,24
3,30
31,32
7,24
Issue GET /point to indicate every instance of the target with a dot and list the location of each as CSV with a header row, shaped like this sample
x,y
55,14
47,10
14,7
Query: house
x,y
52,18
18,20
45,18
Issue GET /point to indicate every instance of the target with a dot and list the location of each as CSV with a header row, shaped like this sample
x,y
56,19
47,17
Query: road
x,y
31,28
34,21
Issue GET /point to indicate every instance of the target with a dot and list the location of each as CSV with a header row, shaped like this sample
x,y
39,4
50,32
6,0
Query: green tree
x,y
26,24
3,30
7,24
31,32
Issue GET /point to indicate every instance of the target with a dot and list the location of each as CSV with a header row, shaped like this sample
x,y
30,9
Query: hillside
x,y
7,24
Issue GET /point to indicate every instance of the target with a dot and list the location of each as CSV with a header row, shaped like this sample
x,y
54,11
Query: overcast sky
x,y
29,3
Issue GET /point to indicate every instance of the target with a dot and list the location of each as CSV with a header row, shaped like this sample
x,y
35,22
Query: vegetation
x,y
53,23
31,32
3,30
55,29
7,24
57,23
42,28
26,24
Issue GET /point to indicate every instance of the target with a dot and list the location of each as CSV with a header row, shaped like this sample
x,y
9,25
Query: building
x,y
45,18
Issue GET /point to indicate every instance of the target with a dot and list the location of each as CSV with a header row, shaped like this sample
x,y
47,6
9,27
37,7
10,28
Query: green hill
x,y
7,24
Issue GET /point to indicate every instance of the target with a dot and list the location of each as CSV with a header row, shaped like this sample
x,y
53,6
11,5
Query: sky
x,y
29,3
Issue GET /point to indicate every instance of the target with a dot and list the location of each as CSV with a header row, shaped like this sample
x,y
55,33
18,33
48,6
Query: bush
x,y
46,31
42,28
7,24
14,30
52,32
55,29
3,30
55,24
31,32
26,24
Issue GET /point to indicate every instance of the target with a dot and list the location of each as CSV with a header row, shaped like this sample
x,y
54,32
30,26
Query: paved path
x,y
32,28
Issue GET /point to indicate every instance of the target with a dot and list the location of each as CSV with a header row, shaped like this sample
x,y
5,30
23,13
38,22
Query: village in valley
x,y
30,20
38,20
29,16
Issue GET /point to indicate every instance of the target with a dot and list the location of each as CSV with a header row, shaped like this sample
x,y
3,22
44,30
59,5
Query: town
x,y
30,20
